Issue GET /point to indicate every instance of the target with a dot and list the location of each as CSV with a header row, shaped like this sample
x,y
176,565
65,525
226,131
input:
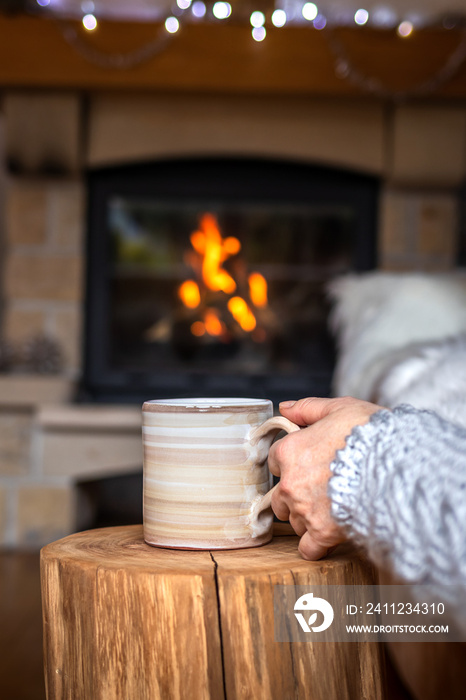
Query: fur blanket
x,y
402,339
428,375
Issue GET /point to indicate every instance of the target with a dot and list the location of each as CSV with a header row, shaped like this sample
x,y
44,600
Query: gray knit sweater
x,y
399,489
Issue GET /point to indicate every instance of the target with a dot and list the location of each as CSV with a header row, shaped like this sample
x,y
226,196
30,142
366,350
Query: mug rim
x,y
206,404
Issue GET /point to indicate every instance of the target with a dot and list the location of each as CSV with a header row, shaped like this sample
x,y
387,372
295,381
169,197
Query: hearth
x,y
207,276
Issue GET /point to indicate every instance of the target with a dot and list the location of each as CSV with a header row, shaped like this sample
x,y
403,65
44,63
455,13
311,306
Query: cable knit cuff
x,y
348,468
398,488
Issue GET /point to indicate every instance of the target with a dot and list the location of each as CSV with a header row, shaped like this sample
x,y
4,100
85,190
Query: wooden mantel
x,y
223,57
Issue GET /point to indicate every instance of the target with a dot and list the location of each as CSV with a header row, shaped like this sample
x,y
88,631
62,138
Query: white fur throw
x,y
384,319
428,375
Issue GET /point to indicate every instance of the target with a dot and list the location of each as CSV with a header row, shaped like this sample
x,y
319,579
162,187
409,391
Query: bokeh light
x,y
198,9
320,22
259,33
257,19
405,28
221,10
310,11
383,16
279,18
361,16
172,25
89,22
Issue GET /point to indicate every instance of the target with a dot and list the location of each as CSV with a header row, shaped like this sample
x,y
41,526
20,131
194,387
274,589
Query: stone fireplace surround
x,y
47,443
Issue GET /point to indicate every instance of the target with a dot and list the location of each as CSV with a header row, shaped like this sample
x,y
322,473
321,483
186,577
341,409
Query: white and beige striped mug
x,y
206,481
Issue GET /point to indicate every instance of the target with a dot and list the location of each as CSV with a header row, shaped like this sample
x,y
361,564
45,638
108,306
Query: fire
x,y
214,250
210,251
242,313
198,329
258,289
189,294
212,323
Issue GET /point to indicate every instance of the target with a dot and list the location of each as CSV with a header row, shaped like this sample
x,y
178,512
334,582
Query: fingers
x,y
298,525
282,512
313,409
307,411
310,549
317,541
273,462
279,506
280,454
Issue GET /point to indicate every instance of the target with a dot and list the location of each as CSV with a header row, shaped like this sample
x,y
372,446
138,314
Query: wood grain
x,y
288,670
122,619
125,620
223,57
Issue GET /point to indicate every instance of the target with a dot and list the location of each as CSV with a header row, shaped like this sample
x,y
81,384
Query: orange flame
x,y
231,245
212,323
209,243
242,313
213,250
189,294
198,329
258,289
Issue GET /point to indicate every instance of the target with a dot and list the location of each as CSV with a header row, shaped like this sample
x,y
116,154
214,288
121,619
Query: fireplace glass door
x,y
207,277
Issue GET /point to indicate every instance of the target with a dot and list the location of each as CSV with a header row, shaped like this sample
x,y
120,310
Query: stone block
x,y
21,324
397,225
15,442
43,131
418,231
51,277
429,146
28,392
90,455
90,418
26,221
67,216
89,441
438,227
45,513
346,133
68,332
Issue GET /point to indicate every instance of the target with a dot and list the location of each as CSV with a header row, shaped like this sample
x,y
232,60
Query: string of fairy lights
x,y
284,13
288,12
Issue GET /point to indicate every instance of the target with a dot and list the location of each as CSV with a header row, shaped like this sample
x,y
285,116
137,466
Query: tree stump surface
x,y
127,621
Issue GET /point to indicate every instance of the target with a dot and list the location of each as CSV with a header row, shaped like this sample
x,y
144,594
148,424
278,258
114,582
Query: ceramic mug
x,y
206,481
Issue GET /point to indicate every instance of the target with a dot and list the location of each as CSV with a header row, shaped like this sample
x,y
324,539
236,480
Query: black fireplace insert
x,y
207,276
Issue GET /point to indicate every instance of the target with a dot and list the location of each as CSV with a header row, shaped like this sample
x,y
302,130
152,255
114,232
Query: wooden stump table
x,y
126,621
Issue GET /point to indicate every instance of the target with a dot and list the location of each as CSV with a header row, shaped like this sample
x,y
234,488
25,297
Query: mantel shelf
x,y
224,59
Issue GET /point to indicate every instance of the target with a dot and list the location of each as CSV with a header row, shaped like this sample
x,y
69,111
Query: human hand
x,y
302,461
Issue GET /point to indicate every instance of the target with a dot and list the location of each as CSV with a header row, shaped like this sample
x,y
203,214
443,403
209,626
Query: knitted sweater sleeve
x,y
399,489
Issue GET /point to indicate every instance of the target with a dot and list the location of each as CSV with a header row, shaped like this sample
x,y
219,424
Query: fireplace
x,y
207,276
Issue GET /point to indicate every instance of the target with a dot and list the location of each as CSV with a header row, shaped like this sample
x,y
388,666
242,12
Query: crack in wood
x,y
217,591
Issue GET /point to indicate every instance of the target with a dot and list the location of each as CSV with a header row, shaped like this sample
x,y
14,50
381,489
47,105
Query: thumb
x,y
307,411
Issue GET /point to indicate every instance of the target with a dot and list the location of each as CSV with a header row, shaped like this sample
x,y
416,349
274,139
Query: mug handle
x,y
271,427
